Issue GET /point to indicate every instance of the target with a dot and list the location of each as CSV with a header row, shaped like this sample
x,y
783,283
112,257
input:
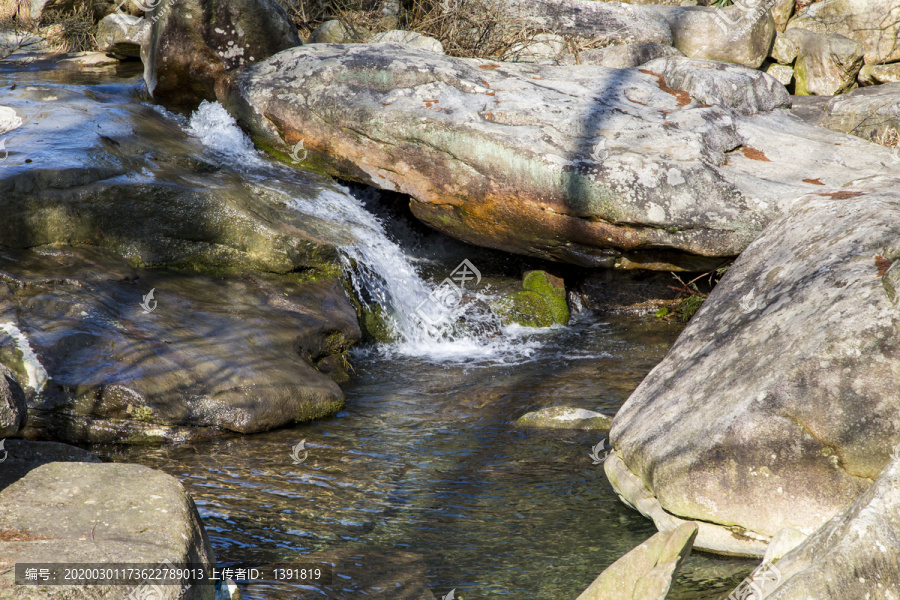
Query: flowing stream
x,y
423,484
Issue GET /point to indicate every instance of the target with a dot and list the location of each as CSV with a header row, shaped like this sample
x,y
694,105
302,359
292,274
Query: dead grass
x,y
71,29
466,28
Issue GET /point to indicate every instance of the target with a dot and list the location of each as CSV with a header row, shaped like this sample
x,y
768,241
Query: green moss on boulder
x,y
552,290
528,309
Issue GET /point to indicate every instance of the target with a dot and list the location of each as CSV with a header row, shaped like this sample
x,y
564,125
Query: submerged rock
x,y
553,291
564,417
584,164
780,394
143,356
647,572
528,309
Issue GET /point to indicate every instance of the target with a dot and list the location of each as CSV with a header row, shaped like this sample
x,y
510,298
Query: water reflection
x,y
422,484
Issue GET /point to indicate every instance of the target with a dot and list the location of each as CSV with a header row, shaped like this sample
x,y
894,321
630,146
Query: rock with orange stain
x,y
583,164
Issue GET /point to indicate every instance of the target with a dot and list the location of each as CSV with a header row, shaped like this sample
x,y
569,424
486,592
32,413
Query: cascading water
x,y
442,322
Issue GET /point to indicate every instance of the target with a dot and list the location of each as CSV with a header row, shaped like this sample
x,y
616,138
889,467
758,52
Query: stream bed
x,y
423,484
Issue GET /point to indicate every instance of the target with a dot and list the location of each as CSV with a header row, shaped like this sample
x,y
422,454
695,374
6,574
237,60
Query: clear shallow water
x,y
423,483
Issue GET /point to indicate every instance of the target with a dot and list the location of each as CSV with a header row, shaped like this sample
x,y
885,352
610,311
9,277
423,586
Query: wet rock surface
x,y
91,166
109,361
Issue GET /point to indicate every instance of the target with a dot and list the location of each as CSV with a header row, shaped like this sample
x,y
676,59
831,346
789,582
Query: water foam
x,y
426,324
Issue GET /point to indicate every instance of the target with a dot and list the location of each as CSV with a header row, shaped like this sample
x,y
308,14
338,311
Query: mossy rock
x,y
528,309
376,325
552,289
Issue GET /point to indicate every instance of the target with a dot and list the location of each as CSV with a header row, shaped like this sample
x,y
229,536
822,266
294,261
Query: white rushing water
x,y
437,321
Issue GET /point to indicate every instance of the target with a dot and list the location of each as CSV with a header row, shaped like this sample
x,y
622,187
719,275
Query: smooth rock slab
x,y
854,555
594,166
647,572
776,407
91,166
625,56
79,512
212,355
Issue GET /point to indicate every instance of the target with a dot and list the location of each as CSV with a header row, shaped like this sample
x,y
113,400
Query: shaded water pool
x,y
424,484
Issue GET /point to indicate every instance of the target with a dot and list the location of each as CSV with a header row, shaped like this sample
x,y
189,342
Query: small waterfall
x,y
442,321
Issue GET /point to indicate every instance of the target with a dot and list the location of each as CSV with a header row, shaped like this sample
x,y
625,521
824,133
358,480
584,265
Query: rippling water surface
x,y
424,484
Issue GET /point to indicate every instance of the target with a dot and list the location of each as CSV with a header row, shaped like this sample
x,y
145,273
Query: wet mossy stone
x,y
552,290
376,324
528,309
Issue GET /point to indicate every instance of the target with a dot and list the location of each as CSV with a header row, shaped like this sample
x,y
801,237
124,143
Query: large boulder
x,y
854,555
826,65
722,84
873,23
777,405
195,42
871,113
594,166
732,34
91,166
598,23
122,35
119,355
410,38
88,513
